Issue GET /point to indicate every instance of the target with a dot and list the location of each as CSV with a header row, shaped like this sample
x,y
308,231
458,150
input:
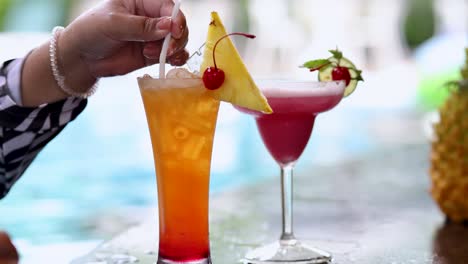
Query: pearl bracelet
x,y
59,78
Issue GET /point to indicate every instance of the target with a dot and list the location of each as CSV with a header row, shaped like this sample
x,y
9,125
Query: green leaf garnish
x,y
336,54
326,68
358,75
313,65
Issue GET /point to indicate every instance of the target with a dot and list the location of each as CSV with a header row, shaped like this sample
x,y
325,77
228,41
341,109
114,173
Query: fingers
x,y
176,54
127,27
179,28
179,24
162,8
179,59
152,50
181,42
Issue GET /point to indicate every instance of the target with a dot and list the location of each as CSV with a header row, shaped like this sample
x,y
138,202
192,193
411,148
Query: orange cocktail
x,y
182,119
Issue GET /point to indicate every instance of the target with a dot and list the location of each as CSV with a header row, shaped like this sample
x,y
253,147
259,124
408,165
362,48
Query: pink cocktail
x,y
285,134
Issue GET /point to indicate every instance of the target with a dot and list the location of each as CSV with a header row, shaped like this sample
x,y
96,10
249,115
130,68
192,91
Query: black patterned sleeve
x,y
24,131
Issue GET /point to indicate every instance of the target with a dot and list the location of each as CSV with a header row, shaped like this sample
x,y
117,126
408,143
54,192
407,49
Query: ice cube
x,y
180,73
194,147
206,106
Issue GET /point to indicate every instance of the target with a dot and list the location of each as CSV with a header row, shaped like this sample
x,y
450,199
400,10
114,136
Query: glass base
x,y
287,252
200,261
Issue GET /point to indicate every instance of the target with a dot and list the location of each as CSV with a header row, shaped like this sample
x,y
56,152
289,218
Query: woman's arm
x,y
115,38
25,131
38,85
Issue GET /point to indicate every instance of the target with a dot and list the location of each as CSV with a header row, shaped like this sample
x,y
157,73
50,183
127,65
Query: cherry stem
x,y
231,34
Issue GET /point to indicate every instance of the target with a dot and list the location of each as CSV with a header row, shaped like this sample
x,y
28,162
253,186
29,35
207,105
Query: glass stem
x,y
287,200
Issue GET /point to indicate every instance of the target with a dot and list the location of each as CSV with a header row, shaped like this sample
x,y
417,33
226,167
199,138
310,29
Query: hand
x,y
114,38
120,36
8,253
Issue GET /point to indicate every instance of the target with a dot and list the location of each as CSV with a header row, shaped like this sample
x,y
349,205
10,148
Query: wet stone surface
x,y
375,209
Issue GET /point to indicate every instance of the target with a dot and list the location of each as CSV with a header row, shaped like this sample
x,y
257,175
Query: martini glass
x,y
285,134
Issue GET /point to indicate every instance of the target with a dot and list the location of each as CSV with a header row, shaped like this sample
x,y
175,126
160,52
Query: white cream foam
x,y
286,88
175,78
180,73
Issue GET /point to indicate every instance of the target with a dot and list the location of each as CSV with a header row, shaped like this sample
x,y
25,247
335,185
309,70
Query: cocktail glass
x,y
285,134
181,119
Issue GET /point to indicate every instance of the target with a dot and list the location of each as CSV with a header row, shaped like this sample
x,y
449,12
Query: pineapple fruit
x,y
449,157
238,87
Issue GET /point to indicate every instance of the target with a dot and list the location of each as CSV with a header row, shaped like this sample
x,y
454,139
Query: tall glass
x,y
285,134
181,119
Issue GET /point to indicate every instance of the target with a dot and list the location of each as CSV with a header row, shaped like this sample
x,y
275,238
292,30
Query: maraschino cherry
x,y
213,77
341,73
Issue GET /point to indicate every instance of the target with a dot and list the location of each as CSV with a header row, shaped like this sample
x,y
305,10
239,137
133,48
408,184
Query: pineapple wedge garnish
x,y
238,87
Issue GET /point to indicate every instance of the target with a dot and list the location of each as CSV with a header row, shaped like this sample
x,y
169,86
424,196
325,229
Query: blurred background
x,y
97,177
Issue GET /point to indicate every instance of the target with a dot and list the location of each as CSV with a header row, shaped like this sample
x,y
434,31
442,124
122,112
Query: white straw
x,y
163,55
